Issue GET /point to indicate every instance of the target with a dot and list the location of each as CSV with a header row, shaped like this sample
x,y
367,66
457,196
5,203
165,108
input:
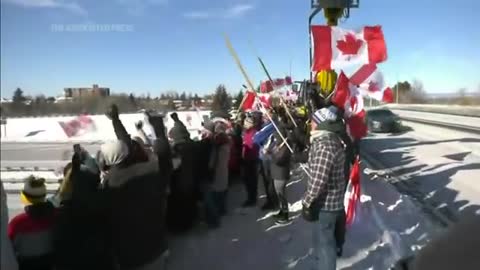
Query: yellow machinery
x,y
321,85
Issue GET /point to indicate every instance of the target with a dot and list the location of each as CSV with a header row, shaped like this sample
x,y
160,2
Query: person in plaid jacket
x,y
323,201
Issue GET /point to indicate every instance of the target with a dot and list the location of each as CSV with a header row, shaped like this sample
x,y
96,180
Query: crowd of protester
x,y
116,210
92,221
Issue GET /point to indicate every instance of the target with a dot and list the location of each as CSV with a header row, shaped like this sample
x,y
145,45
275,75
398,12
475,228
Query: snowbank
x,y
48,129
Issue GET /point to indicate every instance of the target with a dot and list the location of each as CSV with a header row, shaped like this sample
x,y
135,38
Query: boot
x,y
282,217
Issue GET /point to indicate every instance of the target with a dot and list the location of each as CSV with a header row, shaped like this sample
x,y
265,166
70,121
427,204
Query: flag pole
x,y
281,98
273,84
249,82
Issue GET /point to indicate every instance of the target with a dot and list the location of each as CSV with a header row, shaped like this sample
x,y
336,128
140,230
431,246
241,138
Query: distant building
x,y
93,91
62,99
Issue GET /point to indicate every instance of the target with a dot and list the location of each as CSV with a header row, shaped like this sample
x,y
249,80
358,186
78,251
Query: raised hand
x,y
112,113
174,116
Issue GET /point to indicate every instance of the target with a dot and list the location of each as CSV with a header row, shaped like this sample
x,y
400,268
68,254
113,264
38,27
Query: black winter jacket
x,y
137,204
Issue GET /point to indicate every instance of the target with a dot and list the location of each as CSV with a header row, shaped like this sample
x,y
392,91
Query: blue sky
x,y
164,45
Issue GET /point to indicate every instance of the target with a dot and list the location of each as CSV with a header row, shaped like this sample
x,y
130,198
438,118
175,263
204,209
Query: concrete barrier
x,y
48,129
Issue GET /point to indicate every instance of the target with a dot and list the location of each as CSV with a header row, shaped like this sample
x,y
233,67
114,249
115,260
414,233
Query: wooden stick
x,y
247,79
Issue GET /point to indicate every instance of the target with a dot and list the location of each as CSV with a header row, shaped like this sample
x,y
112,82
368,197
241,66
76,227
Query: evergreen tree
x,y
221,100
238,99
18,96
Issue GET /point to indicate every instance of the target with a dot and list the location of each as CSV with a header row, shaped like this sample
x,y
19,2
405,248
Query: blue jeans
x,y
324,244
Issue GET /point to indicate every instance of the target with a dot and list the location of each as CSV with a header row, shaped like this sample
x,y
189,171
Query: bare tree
x,y
418,94
462,97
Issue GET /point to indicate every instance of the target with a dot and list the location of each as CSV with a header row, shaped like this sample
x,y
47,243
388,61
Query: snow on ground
x,y
48,129
388,227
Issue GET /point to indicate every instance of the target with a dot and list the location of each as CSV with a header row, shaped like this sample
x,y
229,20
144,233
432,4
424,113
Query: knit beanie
x,y
113,153
209,126
220,127
208,129
328,114
34,190
179,134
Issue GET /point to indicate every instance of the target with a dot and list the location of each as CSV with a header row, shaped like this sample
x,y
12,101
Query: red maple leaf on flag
x,y
350,45
373,86
342,91
265,100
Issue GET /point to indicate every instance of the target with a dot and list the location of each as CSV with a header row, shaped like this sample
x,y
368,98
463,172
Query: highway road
x,y
438,166
42,155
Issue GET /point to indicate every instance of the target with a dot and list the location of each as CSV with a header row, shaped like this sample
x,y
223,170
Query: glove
x,y
156,121
112,113
76,162
174,116
310,214
139,124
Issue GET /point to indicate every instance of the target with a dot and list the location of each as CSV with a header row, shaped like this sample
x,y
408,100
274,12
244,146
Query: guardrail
x,y
458,127
471,111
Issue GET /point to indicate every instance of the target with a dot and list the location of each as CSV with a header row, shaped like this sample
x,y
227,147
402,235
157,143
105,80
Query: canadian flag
x,y
334,47
372,83
256,101
248,101
78,126
268,86
348,97
353,194
263,100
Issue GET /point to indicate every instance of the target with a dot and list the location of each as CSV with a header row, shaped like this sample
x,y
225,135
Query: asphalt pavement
x,y
439,166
